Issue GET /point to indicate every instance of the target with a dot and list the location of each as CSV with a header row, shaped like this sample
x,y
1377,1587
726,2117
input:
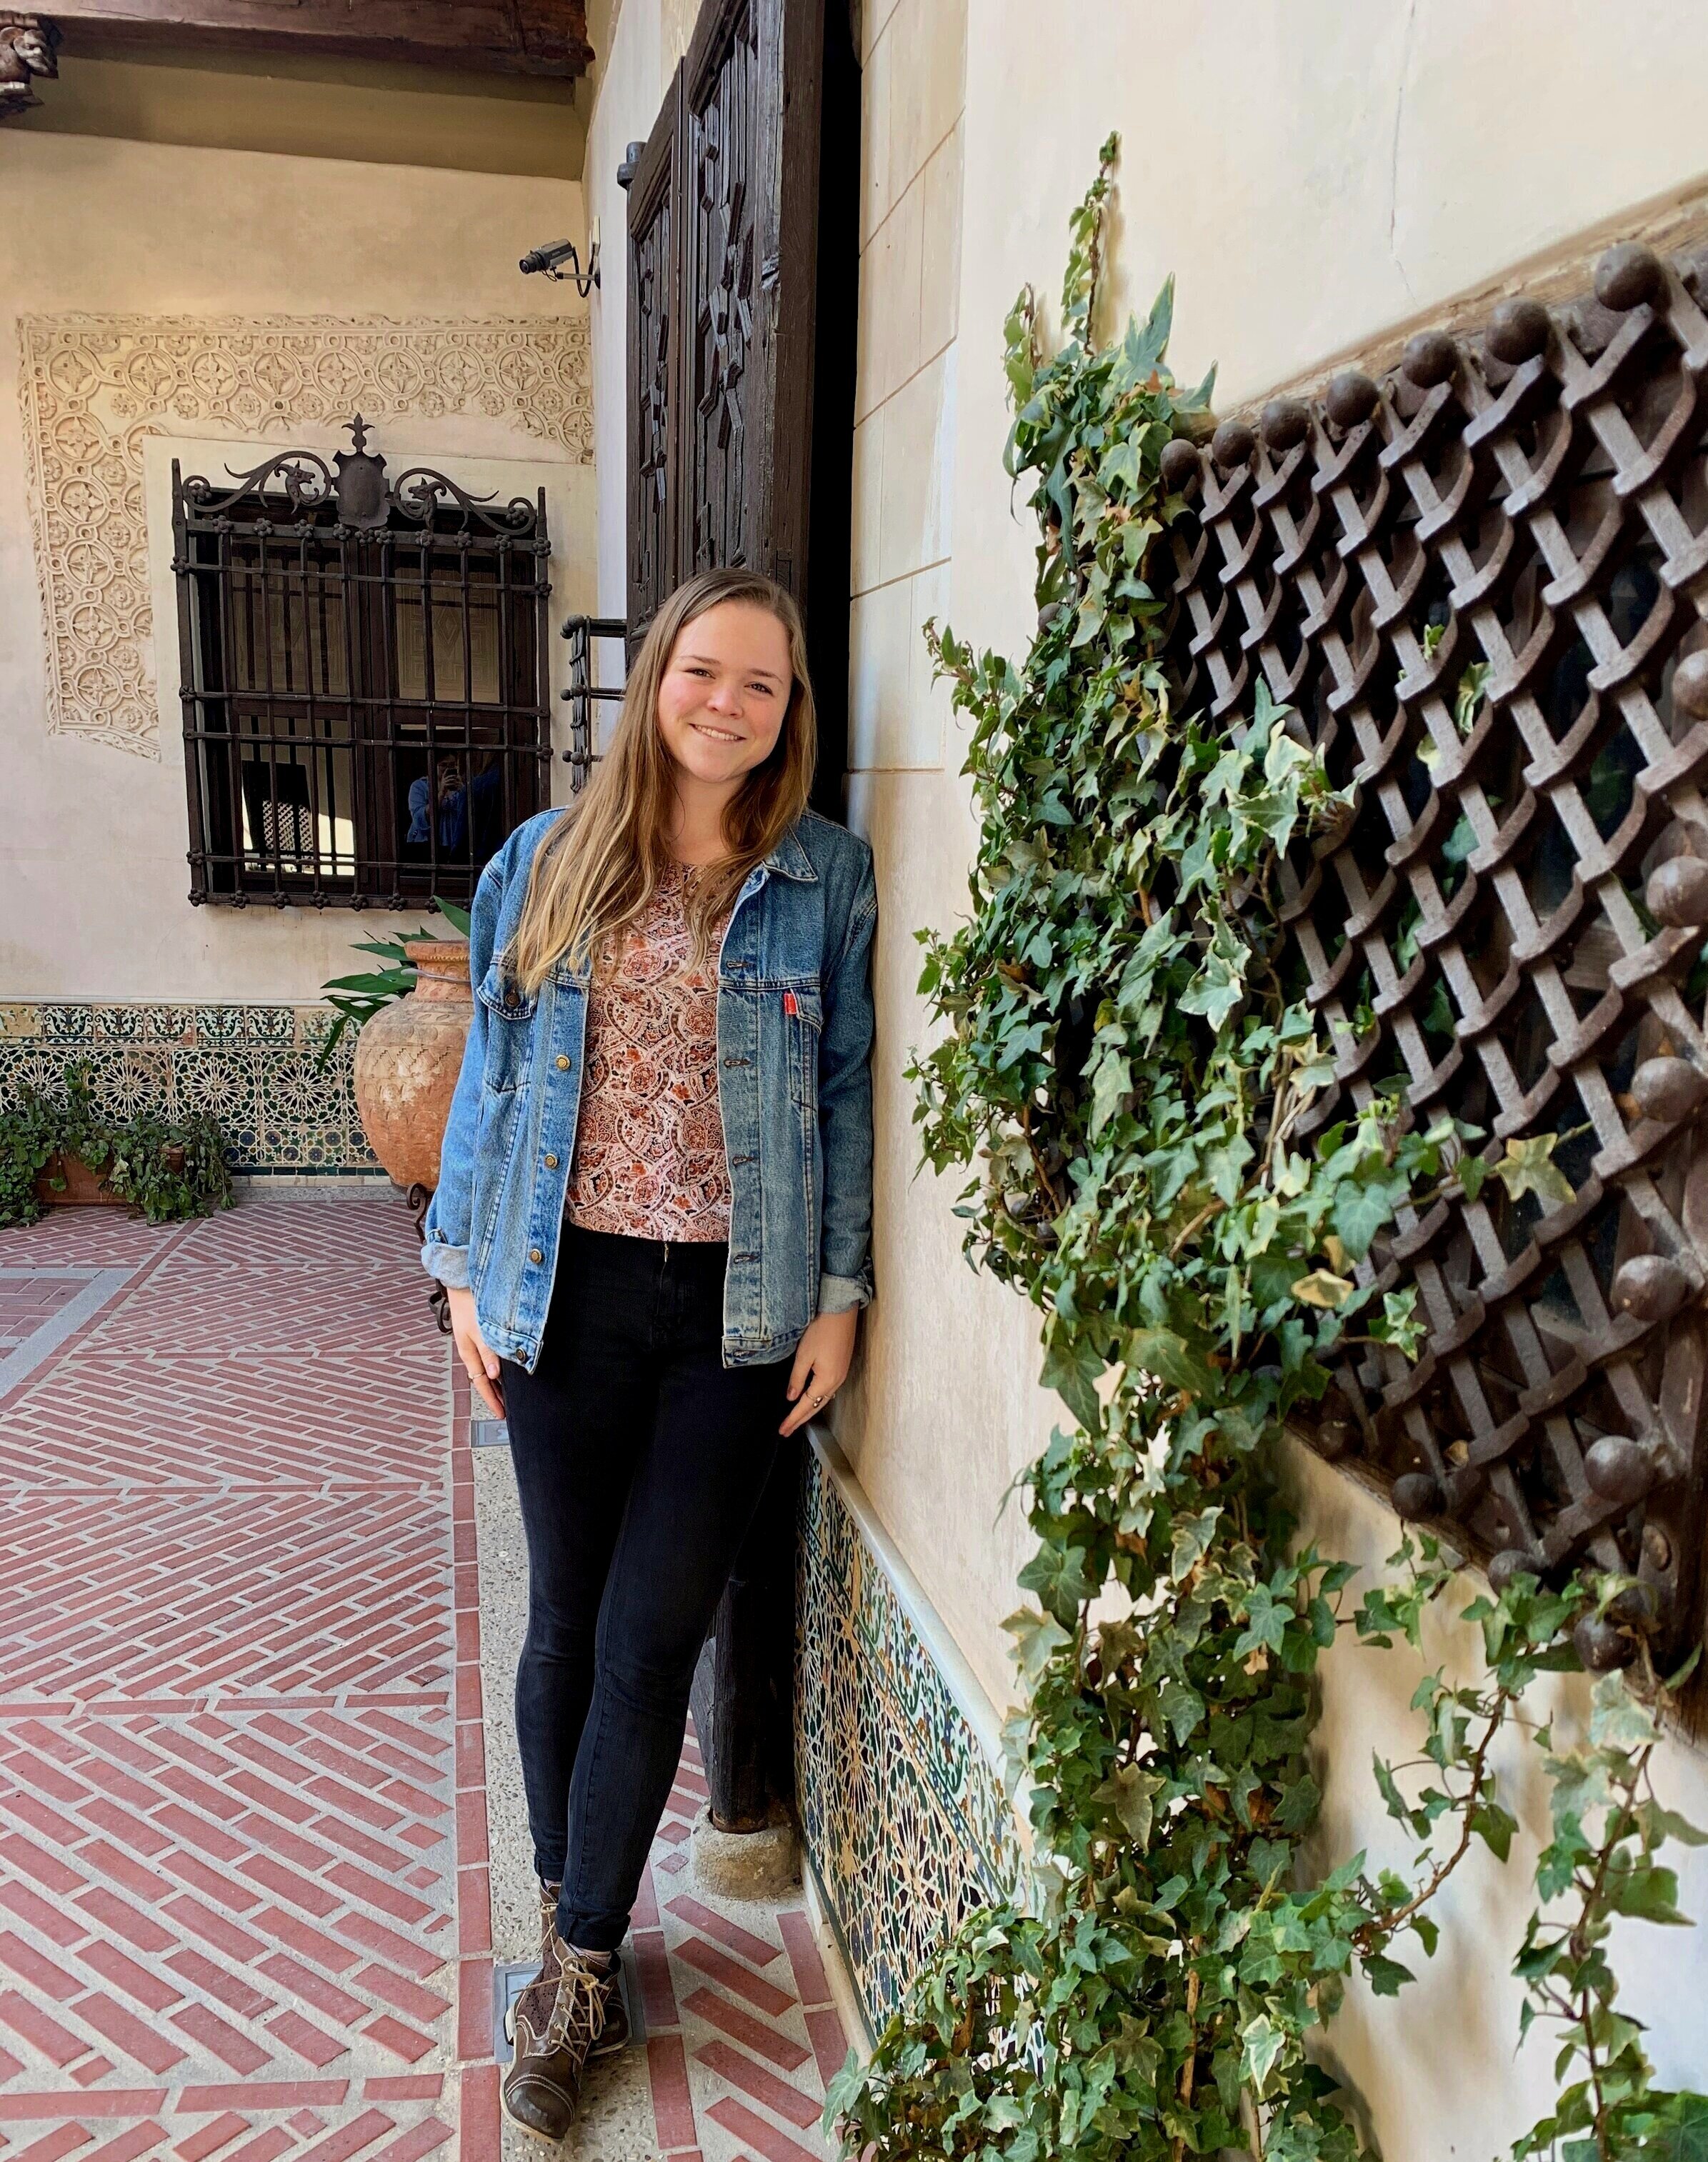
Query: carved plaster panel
x,y
95,388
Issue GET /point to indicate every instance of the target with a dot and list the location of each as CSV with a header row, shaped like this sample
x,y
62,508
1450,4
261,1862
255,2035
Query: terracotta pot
x,y
85,1188
407,1060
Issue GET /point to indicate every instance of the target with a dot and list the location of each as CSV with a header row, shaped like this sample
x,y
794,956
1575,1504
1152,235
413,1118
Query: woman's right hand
x,y
471,1348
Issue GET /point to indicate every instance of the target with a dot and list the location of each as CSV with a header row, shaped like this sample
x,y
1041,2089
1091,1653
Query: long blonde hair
x,y
600,867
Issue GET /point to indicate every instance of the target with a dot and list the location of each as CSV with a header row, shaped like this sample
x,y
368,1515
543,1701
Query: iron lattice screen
x,y
1481,585
365,679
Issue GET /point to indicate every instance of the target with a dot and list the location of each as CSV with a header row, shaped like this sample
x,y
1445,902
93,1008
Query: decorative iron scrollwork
x,y
355,483
1481,583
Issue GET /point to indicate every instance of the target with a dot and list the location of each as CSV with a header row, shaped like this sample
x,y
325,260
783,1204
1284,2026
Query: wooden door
x,y
722,274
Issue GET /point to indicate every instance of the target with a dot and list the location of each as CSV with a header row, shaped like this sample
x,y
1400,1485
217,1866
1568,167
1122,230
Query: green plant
x,y
166,1168
1127,1060
356,999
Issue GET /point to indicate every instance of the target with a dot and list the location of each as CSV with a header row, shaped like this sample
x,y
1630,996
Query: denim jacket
x,y
794,1086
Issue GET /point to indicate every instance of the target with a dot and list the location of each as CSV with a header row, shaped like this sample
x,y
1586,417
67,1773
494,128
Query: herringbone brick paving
x,y
244,1913
229,1778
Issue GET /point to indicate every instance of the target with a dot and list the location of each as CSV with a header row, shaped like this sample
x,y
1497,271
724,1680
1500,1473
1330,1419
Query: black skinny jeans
x,y
640,1460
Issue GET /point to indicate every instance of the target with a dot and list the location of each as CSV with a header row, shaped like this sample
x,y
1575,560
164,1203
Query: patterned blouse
x,y
649,1146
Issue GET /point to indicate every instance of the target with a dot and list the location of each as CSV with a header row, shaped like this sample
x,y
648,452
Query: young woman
x,y
653,1213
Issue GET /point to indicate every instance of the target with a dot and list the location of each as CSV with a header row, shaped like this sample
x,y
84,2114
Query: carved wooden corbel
x,y
28,47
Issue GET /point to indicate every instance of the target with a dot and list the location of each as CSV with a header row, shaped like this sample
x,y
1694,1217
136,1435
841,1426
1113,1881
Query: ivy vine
x,y
166,1169
1126,1062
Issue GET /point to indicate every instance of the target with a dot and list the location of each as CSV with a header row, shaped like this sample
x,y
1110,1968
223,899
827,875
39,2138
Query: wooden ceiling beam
x,y
475,37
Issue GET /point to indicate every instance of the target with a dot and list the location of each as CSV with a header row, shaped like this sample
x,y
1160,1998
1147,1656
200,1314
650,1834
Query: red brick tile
x,y
126,2032
128,1829
193,1831
36,1968
776,2146
49,1823
264,2094
306,2040
120,1919
313,1988
212,1883
211,2138
363,1884
347,2139
53,1922
404,2086
672,2104
213,1929
471,1825
91,2071
416,1959
474,1913
711,1959
32,1861
123,1973
768,2041
480,2139
204,2025
270,2143
18,2107
420,2139
289,1884
140,2139
230,1989
55,2043
753,1948
829,2043
53,2144
657,1995
737,2070
402,1995
405,2041
303,1937
804,1958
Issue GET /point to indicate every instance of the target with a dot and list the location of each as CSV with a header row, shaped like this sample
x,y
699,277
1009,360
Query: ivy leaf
x,y
1323,1288
1682,2135
1071,1369
1171,1359
1387,1976
1037,1637
1130,1792
1263,2043
1192,1534
1495,1827
1111,1084
1362,1210
1528,1168
1058,1576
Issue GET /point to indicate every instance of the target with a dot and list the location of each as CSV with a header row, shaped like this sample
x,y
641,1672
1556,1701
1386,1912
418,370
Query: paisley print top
x,y
649,1148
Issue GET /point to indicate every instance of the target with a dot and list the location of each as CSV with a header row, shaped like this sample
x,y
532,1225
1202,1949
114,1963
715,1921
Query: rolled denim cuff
x,y
837,1294
448,1264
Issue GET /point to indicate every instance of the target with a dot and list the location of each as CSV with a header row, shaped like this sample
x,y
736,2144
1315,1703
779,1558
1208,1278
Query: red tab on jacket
x,y
790,1005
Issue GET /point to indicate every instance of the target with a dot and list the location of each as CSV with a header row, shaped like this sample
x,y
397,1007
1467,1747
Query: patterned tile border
x,y
902,1802
252,1066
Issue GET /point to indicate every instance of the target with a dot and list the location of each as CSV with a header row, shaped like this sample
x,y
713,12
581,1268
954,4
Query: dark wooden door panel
x,y
655,397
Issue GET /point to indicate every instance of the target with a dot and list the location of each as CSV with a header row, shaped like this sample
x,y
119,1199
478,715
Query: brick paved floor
x,y
244,1905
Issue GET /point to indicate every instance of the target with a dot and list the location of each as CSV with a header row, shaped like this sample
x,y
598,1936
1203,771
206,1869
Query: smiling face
x,y
725,692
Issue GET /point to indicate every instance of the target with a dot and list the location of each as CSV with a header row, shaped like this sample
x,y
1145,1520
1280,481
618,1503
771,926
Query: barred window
x,y
365,679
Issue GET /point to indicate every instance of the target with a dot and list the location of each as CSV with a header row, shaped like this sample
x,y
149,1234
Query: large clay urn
x,y
407,1059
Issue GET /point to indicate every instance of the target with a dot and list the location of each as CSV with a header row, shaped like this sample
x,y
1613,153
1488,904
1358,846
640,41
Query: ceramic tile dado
x,y
902,1811
253,1066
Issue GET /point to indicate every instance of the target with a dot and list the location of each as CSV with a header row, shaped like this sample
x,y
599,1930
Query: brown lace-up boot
x,y
560,2016
614,2034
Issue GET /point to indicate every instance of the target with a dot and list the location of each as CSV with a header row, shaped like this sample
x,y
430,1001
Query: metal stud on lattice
x,y
1482,584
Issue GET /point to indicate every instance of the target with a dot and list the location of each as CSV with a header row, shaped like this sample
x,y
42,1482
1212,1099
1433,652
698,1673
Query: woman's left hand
x,y
822,1360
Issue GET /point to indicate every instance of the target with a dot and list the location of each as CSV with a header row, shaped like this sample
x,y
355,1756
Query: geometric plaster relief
x,y
93,388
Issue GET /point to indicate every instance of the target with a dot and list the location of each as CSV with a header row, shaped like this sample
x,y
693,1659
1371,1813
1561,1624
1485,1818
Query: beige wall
x,y
1313,176
203,248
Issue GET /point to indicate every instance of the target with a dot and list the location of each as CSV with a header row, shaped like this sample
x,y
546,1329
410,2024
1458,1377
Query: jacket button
x,y
562,1063
551,1163
535,1254
510,996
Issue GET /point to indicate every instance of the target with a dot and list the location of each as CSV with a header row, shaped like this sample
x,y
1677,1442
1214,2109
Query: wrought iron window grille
x,y
583,693
1480,584
365,679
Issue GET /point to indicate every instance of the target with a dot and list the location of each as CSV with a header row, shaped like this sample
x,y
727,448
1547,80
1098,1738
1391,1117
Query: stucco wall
x,y
214,245
1313,177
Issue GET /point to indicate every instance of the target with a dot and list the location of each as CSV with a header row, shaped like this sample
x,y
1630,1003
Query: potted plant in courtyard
x,y
411,1018
63,1152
